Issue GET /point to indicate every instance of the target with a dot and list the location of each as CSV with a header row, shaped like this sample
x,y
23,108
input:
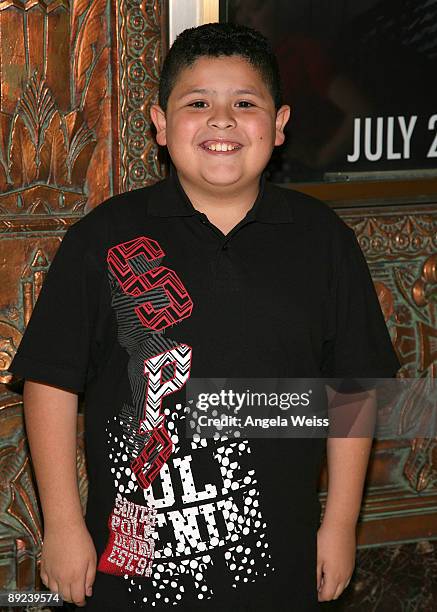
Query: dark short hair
x,y
216,40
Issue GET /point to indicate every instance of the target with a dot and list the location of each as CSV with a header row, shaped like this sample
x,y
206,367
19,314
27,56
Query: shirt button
x,y
225,247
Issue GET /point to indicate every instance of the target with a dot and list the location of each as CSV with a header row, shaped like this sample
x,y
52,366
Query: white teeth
x,y
222,146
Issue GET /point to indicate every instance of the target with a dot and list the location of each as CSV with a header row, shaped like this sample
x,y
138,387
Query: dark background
x,y
342,59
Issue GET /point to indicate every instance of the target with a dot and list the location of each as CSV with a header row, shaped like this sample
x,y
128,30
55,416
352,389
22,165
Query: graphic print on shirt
x,y
182,508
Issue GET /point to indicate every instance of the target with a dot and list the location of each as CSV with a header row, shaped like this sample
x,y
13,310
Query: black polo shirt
x,y
145,292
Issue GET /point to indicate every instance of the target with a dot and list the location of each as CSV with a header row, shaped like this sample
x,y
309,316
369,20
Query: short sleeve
x,y
357,343
55,346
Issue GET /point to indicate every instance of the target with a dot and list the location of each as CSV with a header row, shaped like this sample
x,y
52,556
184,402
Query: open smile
x,y
220,147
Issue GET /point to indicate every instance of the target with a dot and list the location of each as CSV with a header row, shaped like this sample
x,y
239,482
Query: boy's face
x,y
218,101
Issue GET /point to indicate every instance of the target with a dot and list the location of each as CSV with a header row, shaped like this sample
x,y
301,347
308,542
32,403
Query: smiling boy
x,y
213,272
196,125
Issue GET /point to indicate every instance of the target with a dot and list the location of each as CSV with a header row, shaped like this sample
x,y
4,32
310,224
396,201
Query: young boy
x,y
212,272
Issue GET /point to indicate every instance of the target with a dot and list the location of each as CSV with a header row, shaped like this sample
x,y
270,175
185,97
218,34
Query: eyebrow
x,y
237,92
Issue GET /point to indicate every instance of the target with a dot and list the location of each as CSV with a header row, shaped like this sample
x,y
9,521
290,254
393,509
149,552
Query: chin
x,y
222,179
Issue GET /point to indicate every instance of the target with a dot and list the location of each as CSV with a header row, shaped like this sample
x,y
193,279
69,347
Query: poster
x,y
359,76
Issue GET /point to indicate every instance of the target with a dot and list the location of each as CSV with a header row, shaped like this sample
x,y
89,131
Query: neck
x,y
229,202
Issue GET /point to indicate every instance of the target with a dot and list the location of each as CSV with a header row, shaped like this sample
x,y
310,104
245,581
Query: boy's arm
x,y
51,423
347,461
68,557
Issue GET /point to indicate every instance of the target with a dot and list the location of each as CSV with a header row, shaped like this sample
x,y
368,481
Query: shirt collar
x,y
168,199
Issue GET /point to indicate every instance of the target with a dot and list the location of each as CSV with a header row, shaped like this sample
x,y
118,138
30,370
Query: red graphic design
x,y
153,456
159,447
130,546
134,284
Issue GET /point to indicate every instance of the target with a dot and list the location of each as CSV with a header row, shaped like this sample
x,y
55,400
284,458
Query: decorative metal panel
x,y
76,82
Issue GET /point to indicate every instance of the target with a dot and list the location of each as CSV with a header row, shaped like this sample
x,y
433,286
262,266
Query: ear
x,y
282,116
157,115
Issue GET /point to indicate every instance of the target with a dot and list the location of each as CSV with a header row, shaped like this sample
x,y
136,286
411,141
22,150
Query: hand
x,y
336,549
68,563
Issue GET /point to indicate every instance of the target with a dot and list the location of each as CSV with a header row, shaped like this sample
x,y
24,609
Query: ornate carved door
x,y
76,80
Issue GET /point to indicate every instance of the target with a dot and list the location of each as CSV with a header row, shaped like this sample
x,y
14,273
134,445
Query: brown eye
x,y
194,104
246,102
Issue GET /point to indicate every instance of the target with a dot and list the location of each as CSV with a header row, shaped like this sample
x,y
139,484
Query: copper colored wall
x,y
76,81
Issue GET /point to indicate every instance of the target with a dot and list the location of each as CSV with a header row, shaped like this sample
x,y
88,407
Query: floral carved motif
x,y
140,59
401,252
53,103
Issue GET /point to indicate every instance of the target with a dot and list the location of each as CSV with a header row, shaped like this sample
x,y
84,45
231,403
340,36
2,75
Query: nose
x,y
222,119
